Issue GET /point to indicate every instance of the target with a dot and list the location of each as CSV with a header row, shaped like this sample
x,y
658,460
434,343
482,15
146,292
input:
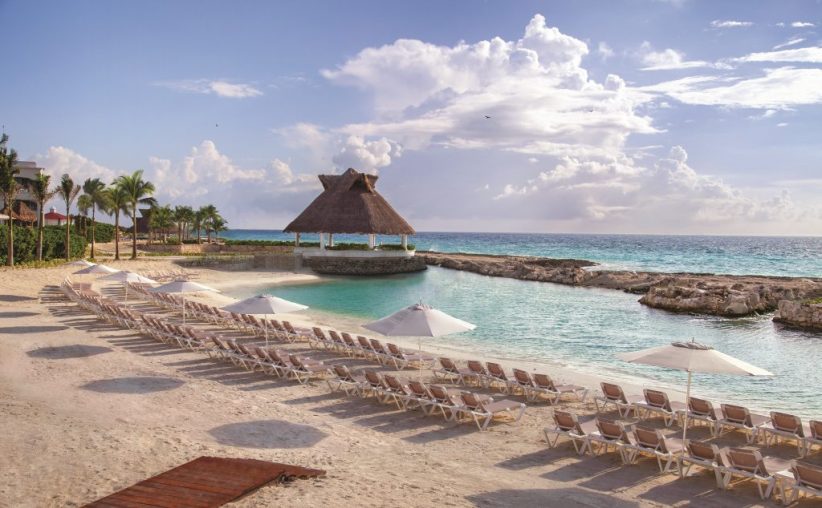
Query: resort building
x,y
25,207
54,218
350,204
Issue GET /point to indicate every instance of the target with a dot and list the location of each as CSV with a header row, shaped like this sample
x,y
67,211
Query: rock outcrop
x,y
802,314
703,293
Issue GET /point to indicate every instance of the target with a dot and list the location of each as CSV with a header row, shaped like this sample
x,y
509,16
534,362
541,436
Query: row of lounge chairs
x,y
453,404
371,349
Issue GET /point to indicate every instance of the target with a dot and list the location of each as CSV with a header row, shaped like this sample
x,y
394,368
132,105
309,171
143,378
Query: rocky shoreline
x,y
703,293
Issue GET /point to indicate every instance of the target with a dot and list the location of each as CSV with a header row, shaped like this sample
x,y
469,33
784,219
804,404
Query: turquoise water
x,y
584,329
788,256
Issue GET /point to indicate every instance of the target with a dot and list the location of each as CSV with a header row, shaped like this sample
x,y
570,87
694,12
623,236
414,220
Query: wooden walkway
x,y
203,483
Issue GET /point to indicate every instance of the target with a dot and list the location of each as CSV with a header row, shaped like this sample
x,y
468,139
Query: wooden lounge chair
x,y
545,386
484,410
354,350
652,442
613,394
807,479
611,433
479,372
375,385
447,401
657,402
426,401
451,372
399,392
382,354
701,410
402,359
345,381
523,384
815,437
750,465
705,455
318,339
497,377
303,371
739,418
337,343
786,426
278,359
568,425
366,349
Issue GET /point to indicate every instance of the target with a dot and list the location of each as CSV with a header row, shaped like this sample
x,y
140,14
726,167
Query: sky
x,y
617,116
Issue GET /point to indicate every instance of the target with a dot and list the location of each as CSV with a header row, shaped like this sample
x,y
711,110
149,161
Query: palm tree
x,y
68,191
116,201
93,188
83,206
183,215
198,221
162,218
209,214
39,189
8,188
218,224
139,192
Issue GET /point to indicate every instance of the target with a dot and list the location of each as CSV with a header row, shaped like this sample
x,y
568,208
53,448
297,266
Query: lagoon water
x,y
584,328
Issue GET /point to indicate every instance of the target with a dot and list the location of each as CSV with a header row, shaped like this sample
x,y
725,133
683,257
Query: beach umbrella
x,y
264,304
79,262
181,287
96,269
693,357
419,320
126,276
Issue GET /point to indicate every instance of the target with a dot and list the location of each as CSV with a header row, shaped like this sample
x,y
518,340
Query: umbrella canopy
x,y
99,269
126,276
181,286
693,357
264,304
419,320
79,262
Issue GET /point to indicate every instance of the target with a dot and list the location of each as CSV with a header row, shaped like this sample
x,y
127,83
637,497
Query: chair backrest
x,y
476,367
419,389
702,450
287,325
649,438
342,372
334,336
700,407
349,341
816,429
544,381
657,398
439,393
611,430
363,342
807,475
496,370
260,353
523,378
393,349
787,423
393,383
277,358
448,364
747,460
319,333
568,422
613,392
377,346
373,378
736,414
296,361
471,401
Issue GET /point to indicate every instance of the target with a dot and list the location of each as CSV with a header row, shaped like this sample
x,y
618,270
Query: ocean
x,y
584,328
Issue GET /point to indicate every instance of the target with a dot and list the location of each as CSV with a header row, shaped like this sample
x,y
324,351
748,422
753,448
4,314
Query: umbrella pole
x,y
687,398
184,310
265,325
126,284
419,346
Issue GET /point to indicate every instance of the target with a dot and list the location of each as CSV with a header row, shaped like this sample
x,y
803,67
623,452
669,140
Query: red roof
x,y
54,216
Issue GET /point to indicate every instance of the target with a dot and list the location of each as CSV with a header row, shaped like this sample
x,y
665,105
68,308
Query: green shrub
x,y
397,246
349,246
103,233
54,240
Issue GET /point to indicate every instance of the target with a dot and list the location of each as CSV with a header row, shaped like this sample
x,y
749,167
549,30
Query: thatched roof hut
x,y
349,203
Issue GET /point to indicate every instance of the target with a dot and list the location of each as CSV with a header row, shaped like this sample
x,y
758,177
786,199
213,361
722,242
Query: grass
x,y
814,301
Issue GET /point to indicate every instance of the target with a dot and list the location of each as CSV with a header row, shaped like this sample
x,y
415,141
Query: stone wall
x,y
800,314
213,248
363,266
277,262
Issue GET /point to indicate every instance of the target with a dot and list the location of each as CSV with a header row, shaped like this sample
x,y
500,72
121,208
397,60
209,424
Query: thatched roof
x,y
350,204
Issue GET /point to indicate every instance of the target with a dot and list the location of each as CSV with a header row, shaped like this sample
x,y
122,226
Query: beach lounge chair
x,y
352,348
318,339
447,401
739,418
485,409
815,437
652,442
611,433
382,354
451,372
423,397
303,371
807,479
265,362
337,343
367,350
523,384
568,425
545,386
282,367
402,359
701,410
750,465
479,372
375,385
786,426
345,381
657,402
497,377
705,455
399,392
613,394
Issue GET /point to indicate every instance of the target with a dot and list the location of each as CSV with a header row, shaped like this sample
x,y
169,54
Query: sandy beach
x,y
88,409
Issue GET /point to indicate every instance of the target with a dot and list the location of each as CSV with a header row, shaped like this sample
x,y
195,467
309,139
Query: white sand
x,y
87,409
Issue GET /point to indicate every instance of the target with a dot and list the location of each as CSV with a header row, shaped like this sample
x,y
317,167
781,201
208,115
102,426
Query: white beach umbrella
x,y
419,320
182,287
693,357
79,262
126,276
264,304
96,269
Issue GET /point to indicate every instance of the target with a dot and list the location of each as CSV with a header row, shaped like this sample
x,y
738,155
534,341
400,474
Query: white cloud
x,y
290,181
802,24
669,59
538,97
220,88
790,42
730,24
779,88
59,160
782,124
605,51
801,55
367,156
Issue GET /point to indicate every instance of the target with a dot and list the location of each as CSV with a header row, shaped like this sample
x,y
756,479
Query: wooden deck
x,y
203,483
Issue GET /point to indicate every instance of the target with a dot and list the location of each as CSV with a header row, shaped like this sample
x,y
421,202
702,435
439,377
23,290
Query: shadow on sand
x,y
14,330
65,352
133,385
16,298
17,314
565,498
267,434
